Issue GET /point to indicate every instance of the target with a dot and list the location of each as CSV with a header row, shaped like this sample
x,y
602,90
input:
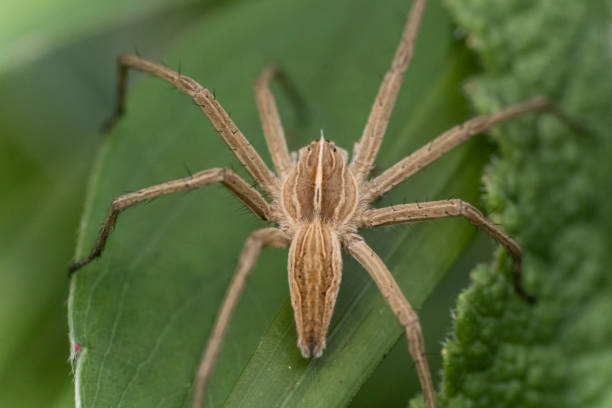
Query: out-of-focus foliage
x,y
36,29
550,188
57,65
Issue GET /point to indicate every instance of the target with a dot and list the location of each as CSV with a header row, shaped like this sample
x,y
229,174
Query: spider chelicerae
x,y
319,201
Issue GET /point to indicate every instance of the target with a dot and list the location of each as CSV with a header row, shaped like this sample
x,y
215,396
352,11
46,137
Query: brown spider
x,y
318,202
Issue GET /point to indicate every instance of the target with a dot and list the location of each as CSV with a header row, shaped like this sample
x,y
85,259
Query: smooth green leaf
x,y
142,313
552,190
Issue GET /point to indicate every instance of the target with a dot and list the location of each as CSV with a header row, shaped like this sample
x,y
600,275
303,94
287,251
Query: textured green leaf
x,y
142,313
551,189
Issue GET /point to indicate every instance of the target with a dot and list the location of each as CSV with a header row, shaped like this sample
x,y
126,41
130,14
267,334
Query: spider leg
x,y
243,190
366,149
445,142
271,237
219,118
270,118
399,214
400,306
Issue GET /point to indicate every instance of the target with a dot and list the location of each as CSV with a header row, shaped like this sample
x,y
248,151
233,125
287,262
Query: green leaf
x,y
552,189
142,313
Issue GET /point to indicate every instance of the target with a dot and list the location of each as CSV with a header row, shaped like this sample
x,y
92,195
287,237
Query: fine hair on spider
x,y
318,201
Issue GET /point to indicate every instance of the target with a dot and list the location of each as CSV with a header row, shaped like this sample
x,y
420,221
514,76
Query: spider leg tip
x,y
530,299
72,269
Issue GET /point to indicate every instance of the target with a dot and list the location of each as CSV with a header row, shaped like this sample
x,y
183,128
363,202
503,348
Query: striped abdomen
x,y
315,269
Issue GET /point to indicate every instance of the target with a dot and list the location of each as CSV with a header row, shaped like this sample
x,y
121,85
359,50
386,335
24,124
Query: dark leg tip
x,y
79,264
72,269
108,124
530,299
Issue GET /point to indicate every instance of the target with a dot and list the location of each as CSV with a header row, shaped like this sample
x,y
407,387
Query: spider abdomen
x,y
320,187
315,270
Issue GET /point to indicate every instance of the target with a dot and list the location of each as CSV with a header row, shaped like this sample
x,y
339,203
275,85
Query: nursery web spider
x,y
318,202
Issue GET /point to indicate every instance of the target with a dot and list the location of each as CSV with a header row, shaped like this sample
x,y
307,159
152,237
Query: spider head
x,y
327,149
320,186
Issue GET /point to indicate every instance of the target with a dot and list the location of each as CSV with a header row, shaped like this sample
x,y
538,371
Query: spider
x,y
318,202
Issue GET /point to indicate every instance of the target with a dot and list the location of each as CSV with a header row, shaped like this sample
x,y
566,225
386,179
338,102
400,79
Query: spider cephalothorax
x,y
319,203
320,187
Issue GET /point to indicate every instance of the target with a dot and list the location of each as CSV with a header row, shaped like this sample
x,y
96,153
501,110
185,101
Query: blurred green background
x,y
56,86
57,82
